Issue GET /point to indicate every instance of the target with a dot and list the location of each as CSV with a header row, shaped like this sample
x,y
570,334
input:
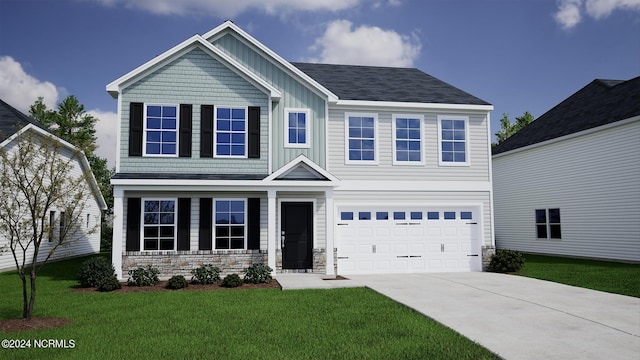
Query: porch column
x,y
272,237
329,224
118,222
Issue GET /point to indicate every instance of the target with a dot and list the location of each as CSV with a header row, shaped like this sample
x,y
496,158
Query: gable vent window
x,y
548,224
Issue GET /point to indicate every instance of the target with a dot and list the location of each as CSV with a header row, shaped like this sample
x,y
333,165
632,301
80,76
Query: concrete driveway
x,y
513,316
520,318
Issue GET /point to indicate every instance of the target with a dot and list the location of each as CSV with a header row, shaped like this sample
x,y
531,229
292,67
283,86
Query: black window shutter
x,y
135,128
185,130
133,224
184,223
254,132
206,131
206,217
253,224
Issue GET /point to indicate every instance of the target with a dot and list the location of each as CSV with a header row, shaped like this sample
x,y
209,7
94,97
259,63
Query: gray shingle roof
x,y
181,176
12,120
599,103
375,83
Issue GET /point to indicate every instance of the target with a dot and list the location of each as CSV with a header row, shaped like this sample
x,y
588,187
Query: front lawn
x,y
267,324
613,277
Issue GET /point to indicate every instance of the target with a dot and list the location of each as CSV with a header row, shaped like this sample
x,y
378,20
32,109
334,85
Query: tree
x,y
507,129
36,179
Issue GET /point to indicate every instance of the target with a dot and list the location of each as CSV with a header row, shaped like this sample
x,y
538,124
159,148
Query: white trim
x,y
425,106
119,133
115,87
491,206
144,131
467,143
118,225
329,217
376,139
220,185
405,185
272,236
571,136
175,223
213,223
307,130
246,131
269,139
304,160
217,31
420,118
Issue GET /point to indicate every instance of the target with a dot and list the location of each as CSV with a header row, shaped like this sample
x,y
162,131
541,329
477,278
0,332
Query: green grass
x,y
613,277
265,324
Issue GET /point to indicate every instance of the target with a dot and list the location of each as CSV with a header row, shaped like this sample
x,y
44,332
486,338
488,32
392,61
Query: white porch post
x,y
329,223
118,222
272,237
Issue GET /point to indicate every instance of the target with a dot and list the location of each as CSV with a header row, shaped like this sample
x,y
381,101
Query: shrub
x,y
231,280
205,274
257,274
506,261
177,282
143,276
93,271
109,284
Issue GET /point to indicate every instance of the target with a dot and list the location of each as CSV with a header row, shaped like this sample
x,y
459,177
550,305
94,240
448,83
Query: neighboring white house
x,y
14,123
229,154
569,183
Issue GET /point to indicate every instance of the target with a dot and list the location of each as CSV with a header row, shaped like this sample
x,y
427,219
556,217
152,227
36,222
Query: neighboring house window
x,y
231,132
63,224
230,224
161,130
297,127
52,224
548,224
159,224
407,143
361,138
454,145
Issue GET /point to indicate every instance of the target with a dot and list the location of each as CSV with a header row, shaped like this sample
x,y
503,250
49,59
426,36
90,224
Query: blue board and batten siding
x,y
294,95
197,79
594,179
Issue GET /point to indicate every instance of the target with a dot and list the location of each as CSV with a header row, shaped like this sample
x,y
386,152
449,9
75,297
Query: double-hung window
x,y
407,143
548,224
230,224
361,138
297,126
159,224
161,130
231,132
453,138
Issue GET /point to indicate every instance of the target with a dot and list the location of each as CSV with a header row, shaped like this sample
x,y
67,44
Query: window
x,y
548,224
230,224
88,218
231,132
361,138
382,215
297,127
449,215
453,140
466,215
161,130
407,146
52,224
63,224
364,215
159,224
399,215
346,215
416,215
433,215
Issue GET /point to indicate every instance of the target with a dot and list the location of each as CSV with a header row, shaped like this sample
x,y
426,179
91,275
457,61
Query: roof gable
x,y
599,103
301,168
12,120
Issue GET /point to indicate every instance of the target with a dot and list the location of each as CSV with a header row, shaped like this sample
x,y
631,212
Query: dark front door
x,y
297,235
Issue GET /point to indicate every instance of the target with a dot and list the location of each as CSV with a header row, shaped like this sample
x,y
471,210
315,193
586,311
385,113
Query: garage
x,y
407,240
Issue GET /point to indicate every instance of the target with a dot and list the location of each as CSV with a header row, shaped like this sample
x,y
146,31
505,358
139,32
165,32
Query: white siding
x,y
595,181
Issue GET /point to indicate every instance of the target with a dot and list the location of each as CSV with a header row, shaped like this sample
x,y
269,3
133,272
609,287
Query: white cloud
x,y
21,90
106,131
226,8
570,12
365,45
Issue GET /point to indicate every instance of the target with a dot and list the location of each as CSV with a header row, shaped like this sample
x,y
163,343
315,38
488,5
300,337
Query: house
x,y
228,154
569,183
13,123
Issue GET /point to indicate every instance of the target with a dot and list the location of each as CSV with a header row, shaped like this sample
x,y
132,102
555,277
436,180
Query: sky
x,y
519,55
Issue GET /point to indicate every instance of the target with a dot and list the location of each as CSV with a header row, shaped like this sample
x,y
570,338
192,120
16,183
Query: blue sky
x,y
519,55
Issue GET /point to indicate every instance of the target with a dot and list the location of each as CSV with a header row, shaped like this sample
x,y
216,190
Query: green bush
x,y
205,274
143,276
231,280
93,271
257,274
109,284
506,261
177,282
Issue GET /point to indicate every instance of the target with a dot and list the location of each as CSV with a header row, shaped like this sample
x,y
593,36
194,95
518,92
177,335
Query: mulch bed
x,y
13,325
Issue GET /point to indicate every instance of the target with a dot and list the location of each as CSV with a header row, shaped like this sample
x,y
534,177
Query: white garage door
x,y
408,240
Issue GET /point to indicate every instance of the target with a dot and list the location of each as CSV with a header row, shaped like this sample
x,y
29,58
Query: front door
x,y
297,235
